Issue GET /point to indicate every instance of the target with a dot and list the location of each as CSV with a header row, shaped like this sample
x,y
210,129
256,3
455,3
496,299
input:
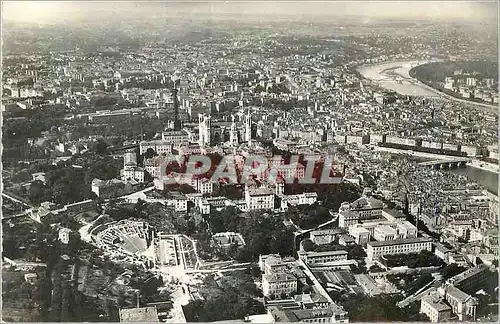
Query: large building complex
x,y
375,250
470,279
330,314
170,154
453,300
259,198
312,258
277,281
279,284
365,208
435,308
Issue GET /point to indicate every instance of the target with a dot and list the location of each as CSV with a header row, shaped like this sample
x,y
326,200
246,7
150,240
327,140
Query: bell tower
x,y
204,125
248,127
233,135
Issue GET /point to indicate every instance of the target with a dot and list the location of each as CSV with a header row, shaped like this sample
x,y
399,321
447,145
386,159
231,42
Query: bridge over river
x,y
446,163
395,76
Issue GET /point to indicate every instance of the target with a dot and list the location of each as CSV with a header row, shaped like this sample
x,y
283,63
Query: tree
x,y
254,271
148,177
216,222
451,270
331,197
308,216
101,147
258,243
382,308
122,212
38,192
229,191
149,153
412,260
333,246
233,250
376,268
74,244
308,245
225,306
356,252
149,288
104,101
418,283
244,255
140,205
360,268
263,234
258,89
306,289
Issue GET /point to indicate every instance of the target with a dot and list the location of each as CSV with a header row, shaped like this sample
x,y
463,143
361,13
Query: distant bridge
x,y
448,163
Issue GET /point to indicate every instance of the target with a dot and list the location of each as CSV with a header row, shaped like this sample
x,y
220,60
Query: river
x,y
395,75
487,179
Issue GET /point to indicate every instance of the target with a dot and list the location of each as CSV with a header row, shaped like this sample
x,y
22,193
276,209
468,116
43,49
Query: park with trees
x,y
263,232
380,308
232,296
66,183
412,260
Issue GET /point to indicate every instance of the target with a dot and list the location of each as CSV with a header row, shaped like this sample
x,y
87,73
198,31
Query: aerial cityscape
x,y
250,162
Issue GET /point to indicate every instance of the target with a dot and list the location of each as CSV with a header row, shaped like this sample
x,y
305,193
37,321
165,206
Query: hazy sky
x,y
57,11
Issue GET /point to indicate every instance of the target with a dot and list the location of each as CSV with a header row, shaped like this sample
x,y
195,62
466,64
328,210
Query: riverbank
x,y
488,180
484,173
395,76
475,163
491,195
430,74
485,166
453,98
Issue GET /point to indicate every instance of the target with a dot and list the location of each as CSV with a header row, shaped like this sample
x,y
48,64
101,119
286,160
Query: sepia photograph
x,y
250,161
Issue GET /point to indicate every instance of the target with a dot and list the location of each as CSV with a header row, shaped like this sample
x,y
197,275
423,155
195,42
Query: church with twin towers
x,y
215,132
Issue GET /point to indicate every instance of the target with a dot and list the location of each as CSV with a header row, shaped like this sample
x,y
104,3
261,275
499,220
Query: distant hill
x,y
434,75
438,71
